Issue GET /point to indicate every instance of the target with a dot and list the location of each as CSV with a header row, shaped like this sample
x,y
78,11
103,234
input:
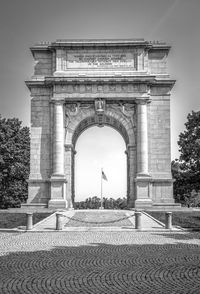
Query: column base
x,y
58,192
131,203
143,203
143,191
143,175
57,203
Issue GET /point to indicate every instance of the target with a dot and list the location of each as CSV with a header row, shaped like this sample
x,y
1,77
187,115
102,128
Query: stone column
x,y
143,179
58,181
142,139
58,139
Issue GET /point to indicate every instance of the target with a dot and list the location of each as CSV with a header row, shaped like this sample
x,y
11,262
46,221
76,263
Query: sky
x,y
105,150
26,22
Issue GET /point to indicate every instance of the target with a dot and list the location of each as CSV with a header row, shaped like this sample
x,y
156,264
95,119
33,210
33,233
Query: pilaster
x,y
69,170
131,171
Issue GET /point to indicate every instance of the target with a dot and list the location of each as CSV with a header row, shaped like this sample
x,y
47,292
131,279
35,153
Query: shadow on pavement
x,y
170,267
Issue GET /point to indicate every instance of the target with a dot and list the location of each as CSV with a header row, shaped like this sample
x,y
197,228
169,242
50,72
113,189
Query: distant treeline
x,y
95,203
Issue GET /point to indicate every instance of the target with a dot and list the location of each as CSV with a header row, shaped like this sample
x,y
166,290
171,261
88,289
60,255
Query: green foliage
x,y
185,219
14,162
186,170
189,143
12,220
95,203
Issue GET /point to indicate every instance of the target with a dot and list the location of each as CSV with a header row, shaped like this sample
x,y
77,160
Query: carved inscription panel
x,y
105,59
100,88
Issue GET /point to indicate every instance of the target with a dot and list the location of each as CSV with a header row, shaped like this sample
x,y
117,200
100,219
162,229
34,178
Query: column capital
x,y
70,147
130,148
143,101
57,101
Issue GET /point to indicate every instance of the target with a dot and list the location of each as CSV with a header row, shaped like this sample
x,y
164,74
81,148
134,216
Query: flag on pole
x,y
103,176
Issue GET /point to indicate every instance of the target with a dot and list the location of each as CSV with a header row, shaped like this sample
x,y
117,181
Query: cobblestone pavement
x,y
100,262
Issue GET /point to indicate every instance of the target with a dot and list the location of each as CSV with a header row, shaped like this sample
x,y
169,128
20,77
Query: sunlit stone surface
x,y
82,83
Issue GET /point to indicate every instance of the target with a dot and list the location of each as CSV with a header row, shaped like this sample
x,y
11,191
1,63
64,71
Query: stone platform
x,y
99,220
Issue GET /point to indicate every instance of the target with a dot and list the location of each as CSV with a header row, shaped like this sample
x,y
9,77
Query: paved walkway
x,y
100,262
98,258
99,220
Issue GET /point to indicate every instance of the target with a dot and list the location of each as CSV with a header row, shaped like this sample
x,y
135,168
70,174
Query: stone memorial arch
x,y
82,83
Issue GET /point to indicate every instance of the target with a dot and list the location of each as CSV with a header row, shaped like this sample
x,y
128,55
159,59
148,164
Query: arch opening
x,y
107,121
98,148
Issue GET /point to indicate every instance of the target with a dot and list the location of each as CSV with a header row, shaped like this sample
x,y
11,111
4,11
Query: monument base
x,y
143,203
58,192
143,191
57,203
166,206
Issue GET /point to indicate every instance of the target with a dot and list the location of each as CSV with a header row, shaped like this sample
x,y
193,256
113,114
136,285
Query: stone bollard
x,y
168,220
138,223
29,221
58,221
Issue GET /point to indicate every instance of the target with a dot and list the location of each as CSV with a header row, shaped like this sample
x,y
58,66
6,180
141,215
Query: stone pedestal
x,y
143,192
58,192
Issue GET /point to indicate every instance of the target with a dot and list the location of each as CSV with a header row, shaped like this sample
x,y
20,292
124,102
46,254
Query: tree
x,y
182,188
186,170
14,162
95,203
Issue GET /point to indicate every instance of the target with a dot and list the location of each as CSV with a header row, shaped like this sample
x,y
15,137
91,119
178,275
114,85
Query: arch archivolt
x,y
80,117
121,117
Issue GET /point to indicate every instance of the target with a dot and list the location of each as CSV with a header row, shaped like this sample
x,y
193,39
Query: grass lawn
x,y
182,219
10,220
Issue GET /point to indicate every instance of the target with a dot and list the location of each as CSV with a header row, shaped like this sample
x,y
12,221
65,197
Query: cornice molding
x,y
50,81
105,43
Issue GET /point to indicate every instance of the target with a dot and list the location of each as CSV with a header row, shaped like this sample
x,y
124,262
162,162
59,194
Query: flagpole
x,y
101,191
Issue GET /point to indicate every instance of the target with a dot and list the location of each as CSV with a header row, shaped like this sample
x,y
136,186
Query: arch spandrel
x,y
80,117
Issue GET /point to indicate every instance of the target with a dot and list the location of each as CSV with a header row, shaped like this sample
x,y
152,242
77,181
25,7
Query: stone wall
x,y
159,137
159,144
157,61
40,168
43,63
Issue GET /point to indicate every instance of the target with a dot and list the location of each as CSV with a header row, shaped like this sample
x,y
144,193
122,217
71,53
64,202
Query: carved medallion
x,y
76,88
112,87
124,88
88,88
99,88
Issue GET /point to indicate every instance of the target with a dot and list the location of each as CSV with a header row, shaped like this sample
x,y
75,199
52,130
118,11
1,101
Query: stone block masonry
x,y
81,83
